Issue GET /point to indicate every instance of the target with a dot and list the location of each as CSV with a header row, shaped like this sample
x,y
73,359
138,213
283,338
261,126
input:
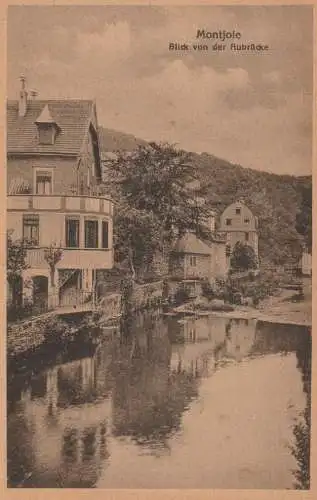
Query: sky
x,y
250,109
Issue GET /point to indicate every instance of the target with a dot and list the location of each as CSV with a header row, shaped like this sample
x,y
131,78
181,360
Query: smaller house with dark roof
x,y
55,198
193,261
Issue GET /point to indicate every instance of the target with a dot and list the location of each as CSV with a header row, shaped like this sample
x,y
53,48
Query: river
x,y
173,403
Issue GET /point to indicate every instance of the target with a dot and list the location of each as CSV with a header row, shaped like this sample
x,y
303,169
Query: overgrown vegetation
x,y
52,255
181,296
301,451
276,201
208,291
253,288
304,216
16,263
154,203
282,203
243,257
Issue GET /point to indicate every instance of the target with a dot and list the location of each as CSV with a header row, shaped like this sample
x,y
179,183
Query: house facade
x,y
54,197
240,225
193,261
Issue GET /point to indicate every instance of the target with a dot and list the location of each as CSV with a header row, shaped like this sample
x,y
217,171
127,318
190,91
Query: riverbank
x,y
280,308
284,308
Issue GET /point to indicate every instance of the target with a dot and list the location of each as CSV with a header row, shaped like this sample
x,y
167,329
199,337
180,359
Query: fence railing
x,y
81,299
29,310
77,298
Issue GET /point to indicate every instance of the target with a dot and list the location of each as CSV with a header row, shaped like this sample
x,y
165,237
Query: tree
x,y
304,217
243,257
154,201
16,264
136,237
52,255
155,178
273,198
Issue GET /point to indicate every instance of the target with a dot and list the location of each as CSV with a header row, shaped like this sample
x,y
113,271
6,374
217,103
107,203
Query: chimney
x,y
33,94
23,97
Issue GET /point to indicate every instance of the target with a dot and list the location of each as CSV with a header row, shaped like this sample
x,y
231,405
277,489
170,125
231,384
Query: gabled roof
x,y
72,116
215,237
189,243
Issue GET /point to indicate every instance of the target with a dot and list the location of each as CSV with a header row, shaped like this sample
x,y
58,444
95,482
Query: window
x,y
246,236
246,221
70,443
192,260
43,182
238,211
38,387
228,222
91,234
105,234
31,228
72,233
89,444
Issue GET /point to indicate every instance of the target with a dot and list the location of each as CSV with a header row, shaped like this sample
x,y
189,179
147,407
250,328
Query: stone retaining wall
x,y
146,295
29,334
26,335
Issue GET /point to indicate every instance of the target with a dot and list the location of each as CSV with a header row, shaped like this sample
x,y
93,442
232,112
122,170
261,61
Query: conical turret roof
x,y
45,116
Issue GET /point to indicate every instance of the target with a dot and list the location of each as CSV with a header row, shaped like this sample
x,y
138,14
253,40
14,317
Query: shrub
x,y
18,313
301,451
256,287
243,257
182,295
207,290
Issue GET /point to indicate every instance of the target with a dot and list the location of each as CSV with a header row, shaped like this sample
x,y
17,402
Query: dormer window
x,y
47,127
47,133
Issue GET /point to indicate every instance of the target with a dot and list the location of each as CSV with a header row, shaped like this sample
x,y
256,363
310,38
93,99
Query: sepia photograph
x,y
158,276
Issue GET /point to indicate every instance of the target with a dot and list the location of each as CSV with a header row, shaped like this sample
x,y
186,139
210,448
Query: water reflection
x,y
68,425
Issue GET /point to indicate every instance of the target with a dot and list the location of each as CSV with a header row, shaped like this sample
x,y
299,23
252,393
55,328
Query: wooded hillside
x,y
274,199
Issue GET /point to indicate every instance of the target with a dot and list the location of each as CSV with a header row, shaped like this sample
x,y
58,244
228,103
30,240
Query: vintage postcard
x,y
159,249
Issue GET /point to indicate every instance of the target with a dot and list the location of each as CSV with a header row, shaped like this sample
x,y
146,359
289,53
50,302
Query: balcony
x,y
60,203
73,258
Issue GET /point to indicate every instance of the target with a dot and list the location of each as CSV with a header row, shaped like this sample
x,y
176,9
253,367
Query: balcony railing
x,y
35,257
77,298
99,191
73,258
63,203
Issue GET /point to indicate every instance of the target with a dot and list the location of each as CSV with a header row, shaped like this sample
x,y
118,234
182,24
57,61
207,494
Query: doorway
x,y
40,294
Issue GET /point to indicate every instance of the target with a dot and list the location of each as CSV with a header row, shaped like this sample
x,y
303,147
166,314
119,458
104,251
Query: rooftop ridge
x,y
70,115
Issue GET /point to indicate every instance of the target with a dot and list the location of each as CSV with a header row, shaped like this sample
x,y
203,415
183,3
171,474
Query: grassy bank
x,y
279,304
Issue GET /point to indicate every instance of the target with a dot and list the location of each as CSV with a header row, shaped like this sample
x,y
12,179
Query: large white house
x,y
240,225
54,197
